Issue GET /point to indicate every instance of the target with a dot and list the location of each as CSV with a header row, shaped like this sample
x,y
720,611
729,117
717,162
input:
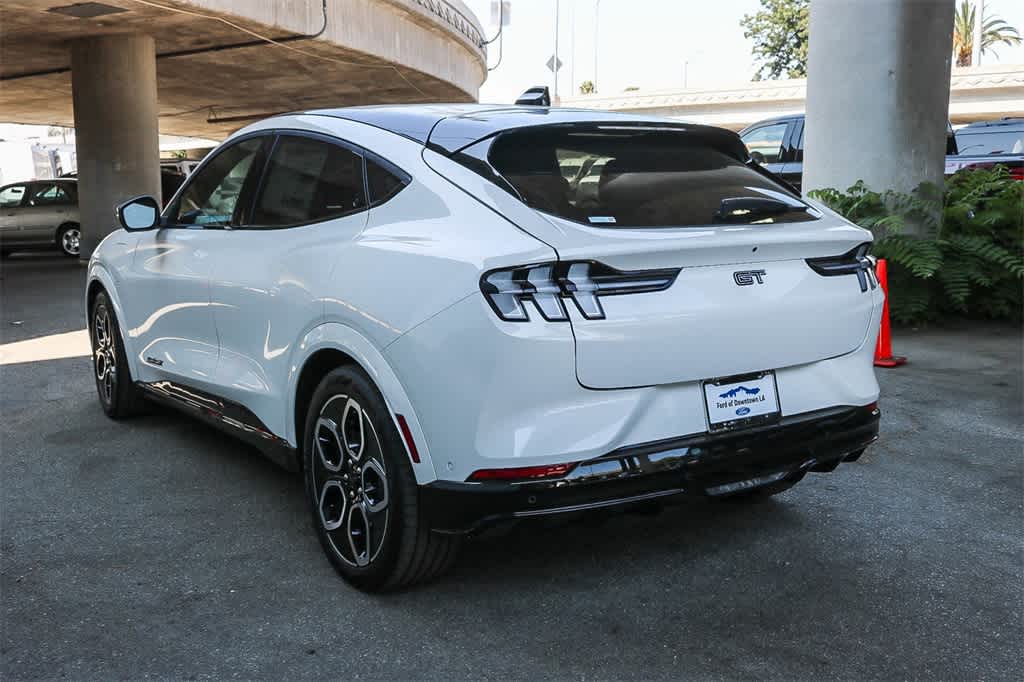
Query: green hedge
x,y
969,263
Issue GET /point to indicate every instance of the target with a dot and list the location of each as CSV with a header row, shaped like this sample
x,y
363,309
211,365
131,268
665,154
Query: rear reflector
x,y
523,473
407,436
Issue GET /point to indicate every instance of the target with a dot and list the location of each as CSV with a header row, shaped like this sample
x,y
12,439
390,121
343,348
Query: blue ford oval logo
x,y
742,411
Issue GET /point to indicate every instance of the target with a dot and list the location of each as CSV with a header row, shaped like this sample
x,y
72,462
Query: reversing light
x,y
522,473
548,284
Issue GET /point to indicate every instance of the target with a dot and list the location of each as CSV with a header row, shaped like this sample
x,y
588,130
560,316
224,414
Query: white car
x,y
415,307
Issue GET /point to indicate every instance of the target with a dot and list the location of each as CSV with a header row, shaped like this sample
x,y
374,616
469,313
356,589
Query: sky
x,y
650,44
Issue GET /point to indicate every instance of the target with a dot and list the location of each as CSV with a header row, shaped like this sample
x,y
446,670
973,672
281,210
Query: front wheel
x,y
119,397
362,492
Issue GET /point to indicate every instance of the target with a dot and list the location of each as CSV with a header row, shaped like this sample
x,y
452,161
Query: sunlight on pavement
x,y
53,347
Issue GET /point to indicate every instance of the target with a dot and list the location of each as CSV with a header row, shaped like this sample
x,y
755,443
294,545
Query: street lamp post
x,y
597,38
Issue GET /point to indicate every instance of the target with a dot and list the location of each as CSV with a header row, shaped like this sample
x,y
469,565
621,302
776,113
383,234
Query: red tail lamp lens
x,y
523,473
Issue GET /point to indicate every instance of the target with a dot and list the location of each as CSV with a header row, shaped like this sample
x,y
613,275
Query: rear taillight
x,y
547,285
854,262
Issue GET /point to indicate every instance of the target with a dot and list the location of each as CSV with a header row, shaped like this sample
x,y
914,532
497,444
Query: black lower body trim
x,y
703,464
226,415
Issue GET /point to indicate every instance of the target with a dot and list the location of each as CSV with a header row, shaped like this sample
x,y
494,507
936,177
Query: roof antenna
x,y
537,96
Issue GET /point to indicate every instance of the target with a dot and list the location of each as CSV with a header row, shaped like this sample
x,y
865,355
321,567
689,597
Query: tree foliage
x,y
587,88
994,31
970,263
779,32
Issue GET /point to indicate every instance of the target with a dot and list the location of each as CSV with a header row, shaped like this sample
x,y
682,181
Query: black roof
x,y
447,128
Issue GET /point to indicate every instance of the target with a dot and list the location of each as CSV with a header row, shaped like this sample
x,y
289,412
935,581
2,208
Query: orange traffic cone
x,y
883,350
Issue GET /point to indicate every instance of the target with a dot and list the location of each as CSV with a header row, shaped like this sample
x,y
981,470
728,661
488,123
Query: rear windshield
x,y
991,142
638,178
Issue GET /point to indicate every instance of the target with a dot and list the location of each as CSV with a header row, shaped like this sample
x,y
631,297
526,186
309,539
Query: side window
x,y
212,194
11,197
765,143
309,180
49,194
383,183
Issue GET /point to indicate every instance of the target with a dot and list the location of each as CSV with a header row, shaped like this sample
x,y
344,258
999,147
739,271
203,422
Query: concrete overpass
x,y
975,94
119,71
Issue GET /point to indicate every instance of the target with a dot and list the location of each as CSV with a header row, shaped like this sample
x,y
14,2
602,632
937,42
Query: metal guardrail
x,y
455,18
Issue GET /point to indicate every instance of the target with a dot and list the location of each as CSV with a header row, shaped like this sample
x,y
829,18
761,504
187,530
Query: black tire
x,y
354,461
69,239
118,394
765,491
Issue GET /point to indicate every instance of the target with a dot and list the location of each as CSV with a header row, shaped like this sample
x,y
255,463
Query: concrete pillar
x,y
877,93
113,82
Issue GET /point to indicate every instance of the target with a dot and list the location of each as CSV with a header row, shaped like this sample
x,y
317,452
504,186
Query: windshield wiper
x,y
748,209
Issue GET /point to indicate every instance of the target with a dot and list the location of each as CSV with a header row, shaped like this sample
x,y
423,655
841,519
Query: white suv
x,y
437,315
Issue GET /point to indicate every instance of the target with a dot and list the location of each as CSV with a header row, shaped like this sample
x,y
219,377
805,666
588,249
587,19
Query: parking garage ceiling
x,y
215,71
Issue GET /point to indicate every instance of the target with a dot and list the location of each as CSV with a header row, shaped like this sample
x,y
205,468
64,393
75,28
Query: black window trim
x,y
249,202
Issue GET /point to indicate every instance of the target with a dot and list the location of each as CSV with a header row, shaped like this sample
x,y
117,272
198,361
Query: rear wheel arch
x,y
315,368
332,345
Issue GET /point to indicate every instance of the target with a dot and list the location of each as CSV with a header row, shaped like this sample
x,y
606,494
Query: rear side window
x,y
643,178
383,182
309,180
53,194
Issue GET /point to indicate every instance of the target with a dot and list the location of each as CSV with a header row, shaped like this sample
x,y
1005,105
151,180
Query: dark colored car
x,y
778,145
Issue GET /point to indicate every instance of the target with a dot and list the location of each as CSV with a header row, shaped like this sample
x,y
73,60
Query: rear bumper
x,y
703,464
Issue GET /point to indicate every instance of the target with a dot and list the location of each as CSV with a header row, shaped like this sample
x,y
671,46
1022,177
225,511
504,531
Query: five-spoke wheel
x,y
69,238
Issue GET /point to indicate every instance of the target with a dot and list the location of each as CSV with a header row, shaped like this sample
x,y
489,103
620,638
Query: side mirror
x,y
757,157
140,213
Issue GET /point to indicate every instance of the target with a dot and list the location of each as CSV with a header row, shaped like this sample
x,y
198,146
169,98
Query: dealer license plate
x,y
741,401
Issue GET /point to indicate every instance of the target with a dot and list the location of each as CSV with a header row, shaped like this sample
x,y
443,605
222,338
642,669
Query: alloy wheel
x,y
104,355
350,479
70,241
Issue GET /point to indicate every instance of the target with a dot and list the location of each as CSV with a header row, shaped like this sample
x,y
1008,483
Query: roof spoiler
x,y
537,96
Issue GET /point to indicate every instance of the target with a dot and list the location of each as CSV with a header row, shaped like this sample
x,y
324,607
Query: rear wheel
x,y
362,492
118,395
69,239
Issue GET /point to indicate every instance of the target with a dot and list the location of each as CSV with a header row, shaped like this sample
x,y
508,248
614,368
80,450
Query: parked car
x,y
417,308
778,144
985,143
40,213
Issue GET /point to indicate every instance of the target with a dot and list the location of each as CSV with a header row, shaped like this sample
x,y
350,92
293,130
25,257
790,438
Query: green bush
x,y
969,263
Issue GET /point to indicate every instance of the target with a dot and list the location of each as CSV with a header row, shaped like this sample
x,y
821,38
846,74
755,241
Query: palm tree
x,y
993,32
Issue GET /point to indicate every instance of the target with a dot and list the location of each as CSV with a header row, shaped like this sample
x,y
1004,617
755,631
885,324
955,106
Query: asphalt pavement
x,y
160,548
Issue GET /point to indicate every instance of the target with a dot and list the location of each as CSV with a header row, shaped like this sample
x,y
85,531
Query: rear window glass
x,y
622,178
991,142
